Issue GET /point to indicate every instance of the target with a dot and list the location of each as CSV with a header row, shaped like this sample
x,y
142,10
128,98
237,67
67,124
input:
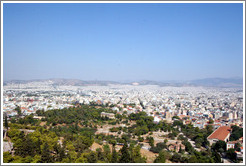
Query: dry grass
x,y
150,156
95,145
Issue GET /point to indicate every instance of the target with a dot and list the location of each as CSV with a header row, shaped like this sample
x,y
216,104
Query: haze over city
x,y
121,42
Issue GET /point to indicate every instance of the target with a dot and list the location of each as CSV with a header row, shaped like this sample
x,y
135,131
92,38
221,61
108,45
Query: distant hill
x,y
61,81
218,82
207,82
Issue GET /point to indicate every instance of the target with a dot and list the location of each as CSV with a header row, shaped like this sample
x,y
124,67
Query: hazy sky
x,y
122,41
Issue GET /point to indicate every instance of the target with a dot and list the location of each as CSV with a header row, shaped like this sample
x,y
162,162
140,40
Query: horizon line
x,y
124,80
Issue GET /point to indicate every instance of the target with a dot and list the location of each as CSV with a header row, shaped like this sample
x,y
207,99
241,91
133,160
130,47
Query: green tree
x,y
107,152
151,141
91,157
81,159
211,121
140,139
7,157
193,159
114,158
6,122
219,146
36,159
216,157
125,155
18,110
100,154
161,158
181,150
231,154
176,158
60,152
209,129
136,155
237,147
24,146
237,133
45,155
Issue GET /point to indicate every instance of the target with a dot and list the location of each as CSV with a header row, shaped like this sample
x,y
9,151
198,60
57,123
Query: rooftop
x,y
221,133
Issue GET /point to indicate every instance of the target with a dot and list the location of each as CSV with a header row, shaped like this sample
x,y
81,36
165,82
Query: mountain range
x,y
207,82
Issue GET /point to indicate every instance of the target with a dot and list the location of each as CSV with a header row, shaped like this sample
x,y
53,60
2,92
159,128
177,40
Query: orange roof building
x,y
222,133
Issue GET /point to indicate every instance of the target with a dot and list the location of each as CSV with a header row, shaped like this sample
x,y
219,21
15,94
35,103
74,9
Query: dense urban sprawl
x,y
217,111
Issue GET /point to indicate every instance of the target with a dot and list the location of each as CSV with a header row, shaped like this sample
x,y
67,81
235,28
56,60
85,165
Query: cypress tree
x,y
114,156
6,122
125,155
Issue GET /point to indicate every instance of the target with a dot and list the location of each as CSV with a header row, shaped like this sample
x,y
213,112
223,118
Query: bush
x,y
140,139
158,147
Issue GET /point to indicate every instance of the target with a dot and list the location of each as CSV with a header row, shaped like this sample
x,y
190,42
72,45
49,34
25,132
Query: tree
x,y
60,152
140,139
188,147
216,157
159,146
136,155
125,155
237,146
114,158
36,159
13,120
209,129
219,146
161,158
79,146
192,159
7,157
151,141
100,154
237,133
176,157
211,121
180,150
24,146
6,122
91,157
45,155
107,152
40,112
81,159
231,154
18,110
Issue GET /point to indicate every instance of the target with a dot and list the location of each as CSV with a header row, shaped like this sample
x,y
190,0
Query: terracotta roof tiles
x,y
221,133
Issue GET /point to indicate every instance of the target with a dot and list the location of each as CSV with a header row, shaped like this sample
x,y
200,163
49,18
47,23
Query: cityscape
x,y
75,94
204,108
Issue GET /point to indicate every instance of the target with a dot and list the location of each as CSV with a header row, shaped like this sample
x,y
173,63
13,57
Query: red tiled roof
x,y
221,133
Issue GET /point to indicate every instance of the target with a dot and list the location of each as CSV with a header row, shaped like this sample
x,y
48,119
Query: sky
x,y
120,42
